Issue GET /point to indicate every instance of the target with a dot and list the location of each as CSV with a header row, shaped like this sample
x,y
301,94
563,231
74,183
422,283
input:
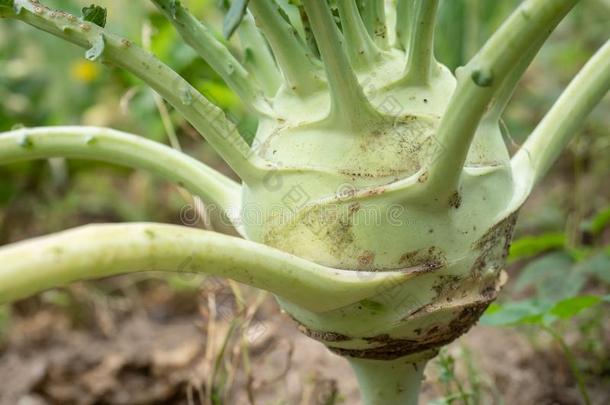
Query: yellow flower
x,y
84,71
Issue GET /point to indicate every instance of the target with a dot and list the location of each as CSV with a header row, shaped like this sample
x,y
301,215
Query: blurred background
x,y
190,340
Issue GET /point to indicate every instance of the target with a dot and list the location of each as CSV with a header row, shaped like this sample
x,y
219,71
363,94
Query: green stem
x,y
208,119
388,382
560,124
420,55
291,10
258,57
97,251
373,16
362,50
204,42
479,81
506,90
295,61
405,17
349,106
580,380
472,28
111,146
168,126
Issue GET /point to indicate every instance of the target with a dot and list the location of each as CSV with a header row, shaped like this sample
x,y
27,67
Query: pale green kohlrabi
x,y
378,197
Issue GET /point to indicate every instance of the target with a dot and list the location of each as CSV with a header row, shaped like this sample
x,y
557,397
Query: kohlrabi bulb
x,y
344,194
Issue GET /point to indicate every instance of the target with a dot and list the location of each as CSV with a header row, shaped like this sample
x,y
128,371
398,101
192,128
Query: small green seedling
x,y
378,198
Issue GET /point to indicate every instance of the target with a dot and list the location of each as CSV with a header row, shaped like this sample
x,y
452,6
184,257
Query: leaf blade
x,y
95,14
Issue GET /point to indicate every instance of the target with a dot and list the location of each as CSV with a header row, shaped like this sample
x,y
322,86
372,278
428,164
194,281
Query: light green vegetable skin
x,y
378,197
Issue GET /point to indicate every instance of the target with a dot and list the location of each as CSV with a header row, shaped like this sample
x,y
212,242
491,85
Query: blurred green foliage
x,y
5,317
564,287
558,277
45,81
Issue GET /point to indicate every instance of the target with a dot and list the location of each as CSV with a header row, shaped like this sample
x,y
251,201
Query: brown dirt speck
x,y
324,336
353,208
431,258
367,258
455,201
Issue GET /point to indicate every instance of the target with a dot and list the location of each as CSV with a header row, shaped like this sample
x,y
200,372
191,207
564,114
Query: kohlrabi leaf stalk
x,y
362,50
301,72
384,195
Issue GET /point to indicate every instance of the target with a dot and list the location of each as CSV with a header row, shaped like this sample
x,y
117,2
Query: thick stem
x,y
111,146
203,41
349,106
479,81
560,124
506,90
295,61
208,119
362,50
97,251
420,54
258,57
373,15
405,17
388,382
472,29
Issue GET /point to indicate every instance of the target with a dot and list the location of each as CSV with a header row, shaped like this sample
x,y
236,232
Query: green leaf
x,y
533,245
597,265
223,5
7,191
554,277
95,14
513,313
537,312
7,3
599,222
234,16
571,307
219,93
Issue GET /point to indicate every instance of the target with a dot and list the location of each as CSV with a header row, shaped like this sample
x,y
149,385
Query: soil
x,y
153,345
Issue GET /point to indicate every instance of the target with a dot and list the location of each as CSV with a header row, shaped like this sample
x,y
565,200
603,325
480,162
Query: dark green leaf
x,y
95,14
224,5
7,3
234,16
7,191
